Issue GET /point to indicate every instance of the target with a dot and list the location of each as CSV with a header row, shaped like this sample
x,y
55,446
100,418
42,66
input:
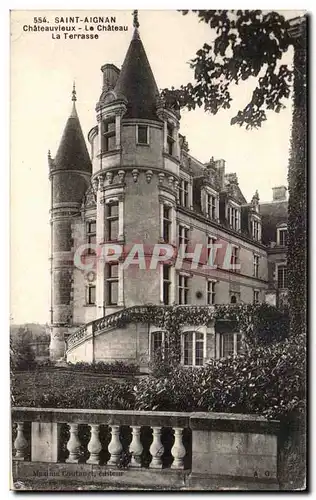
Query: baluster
x,y
20,443
73,445
136,447
115,448
94,445
178,450
156,449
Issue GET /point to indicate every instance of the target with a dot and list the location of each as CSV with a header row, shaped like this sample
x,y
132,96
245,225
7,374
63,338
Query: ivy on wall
x,y
259,323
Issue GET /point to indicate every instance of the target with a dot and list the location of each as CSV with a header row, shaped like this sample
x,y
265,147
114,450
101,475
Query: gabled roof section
x,y
136,82
72,153
272,214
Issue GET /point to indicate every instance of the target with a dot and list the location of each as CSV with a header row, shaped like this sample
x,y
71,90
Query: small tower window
x,y
170,139
91,236
109,138
142,134
112,220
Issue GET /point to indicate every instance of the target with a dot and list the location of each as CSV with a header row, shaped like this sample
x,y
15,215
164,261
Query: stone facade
x,y
140,186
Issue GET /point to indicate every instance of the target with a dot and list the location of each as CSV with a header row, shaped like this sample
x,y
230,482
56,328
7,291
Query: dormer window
x,y
170,139
256,229
282,236
142,134
109,137
211,206
233,216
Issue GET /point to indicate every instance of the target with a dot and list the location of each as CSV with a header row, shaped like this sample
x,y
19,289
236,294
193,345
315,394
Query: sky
x,y
42,73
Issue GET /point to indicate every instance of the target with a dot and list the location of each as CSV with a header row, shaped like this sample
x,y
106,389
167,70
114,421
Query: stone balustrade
x,y
145,449
125,316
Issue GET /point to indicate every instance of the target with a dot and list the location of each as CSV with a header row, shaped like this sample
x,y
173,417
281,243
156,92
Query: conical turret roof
x,y
72,152
136,82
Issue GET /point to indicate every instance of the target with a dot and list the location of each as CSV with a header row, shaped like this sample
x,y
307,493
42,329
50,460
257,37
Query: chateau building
x,y
139,187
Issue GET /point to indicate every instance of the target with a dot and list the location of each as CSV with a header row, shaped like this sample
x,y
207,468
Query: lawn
x,y
39,382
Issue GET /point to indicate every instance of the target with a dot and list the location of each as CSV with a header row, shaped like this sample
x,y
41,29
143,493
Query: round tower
x,y
69,174
136,158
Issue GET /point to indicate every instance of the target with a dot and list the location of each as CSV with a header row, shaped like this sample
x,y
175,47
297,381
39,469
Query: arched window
x,y
193,348
233,299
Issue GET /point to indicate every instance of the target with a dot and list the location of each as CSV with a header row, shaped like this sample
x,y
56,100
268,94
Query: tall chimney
x,y
220,165
279,193
110,76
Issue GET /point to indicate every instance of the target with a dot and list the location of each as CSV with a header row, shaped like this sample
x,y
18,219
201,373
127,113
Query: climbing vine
x,y
259,323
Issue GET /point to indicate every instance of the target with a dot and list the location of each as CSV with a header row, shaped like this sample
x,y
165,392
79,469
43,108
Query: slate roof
x,y
72,152
136,82
272,214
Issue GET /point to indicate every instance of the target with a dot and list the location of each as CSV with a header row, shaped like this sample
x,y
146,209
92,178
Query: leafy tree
x,y
22,356
252,43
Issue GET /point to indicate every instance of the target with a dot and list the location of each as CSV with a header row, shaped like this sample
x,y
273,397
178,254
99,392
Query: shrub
x,y
116,367
116,396
269,380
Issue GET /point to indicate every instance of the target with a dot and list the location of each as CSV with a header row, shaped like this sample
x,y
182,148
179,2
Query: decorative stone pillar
x,y
115,447
20,443
94,446
100,264
178,450
136,447
156,449
73,445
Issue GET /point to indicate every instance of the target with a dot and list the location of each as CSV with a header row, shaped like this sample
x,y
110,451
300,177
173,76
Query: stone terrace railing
x,y
123,317
144,449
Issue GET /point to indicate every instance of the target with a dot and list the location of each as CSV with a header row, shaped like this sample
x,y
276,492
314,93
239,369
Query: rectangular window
x,y
211,241
112,219
184,193
109,140
183,289
170,139
166,270
112,281
91,295
211,292
282,240
282,277
255,230
193,349
142,134
166,223
256,296
234,258
256,266
211,206
233,217
183,239
91,235
231,344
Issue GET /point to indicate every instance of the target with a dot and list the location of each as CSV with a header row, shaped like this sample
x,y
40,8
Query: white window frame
x,y
211,293
279,230
235,254
182,240
193,333
277,266
137,135
229,214
151,334
256,229
182,191
220,338
186,276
